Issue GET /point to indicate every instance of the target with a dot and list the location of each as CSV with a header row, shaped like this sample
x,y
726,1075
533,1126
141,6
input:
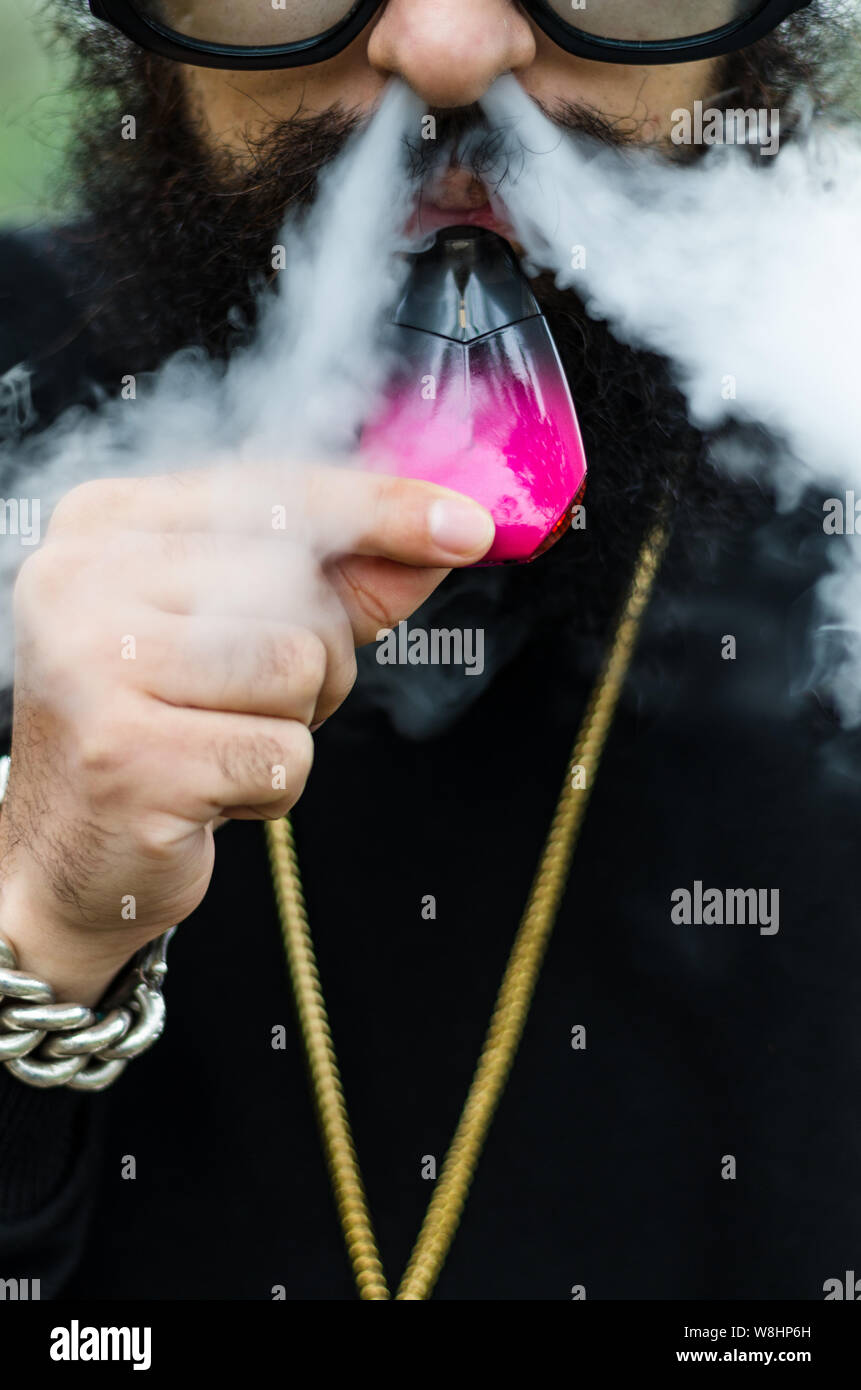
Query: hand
x,y
173,652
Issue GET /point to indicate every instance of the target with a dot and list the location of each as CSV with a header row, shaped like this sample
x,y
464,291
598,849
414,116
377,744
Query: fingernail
x,y
460,527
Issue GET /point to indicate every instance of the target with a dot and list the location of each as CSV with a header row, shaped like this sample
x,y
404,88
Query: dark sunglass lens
x,y
652,21
246,23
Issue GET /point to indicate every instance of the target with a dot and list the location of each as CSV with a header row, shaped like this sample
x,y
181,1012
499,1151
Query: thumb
x,y
379,593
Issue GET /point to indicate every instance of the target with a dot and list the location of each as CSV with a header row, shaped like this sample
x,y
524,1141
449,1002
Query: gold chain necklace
x,y
512,1002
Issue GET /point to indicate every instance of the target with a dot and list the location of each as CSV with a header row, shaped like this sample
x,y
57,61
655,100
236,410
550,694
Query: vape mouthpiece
x,y
478,401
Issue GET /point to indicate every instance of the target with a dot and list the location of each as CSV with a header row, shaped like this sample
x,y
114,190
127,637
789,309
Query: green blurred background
x,y
33,113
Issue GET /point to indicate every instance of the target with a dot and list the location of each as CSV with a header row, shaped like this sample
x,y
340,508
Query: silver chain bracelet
x,y
86,1049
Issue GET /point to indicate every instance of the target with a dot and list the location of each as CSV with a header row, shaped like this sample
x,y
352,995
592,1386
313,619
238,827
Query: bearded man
x,y
681,1118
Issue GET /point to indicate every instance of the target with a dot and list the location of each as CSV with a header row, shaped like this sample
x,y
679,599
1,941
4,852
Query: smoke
x,y
295,396
318,341
744,273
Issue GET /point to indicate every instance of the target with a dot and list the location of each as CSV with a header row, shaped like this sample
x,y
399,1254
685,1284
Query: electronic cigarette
x,y
478,400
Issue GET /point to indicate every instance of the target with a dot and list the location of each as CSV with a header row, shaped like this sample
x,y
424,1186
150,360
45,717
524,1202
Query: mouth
x,y
430,217
458,198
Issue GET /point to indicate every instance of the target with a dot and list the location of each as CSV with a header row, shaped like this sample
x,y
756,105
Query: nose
x,y
450,51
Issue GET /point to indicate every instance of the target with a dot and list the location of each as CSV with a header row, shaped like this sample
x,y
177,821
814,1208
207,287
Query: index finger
x,y
331,510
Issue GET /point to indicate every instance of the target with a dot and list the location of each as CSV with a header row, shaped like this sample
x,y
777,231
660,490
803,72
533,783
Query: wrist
x,y
48,1043
78,971
75,975
53,977
78,962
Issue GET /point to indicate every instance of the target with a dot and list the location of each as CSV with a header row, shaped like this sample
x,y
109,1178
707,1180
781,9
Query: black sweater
x,y
604,1164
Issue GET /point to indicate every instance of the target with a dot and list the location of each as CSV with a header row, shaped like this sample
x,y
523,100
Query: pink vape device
x,y
478,401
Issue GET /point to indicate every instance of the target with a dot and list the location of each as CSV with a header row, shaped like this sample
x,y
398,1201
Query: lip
x,y
430,217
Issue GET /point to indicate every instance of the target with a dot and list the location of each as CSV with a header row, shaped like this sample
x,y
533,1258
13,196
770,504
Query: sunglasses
x,y
241,34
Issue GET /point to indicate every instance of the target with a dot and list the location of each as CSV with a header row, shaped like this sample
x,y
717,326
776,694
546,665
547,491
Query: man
x,y
681,1119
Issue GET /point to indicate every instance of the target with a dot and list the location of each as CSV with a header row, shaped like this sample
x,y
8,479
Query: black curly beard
x,y
183,242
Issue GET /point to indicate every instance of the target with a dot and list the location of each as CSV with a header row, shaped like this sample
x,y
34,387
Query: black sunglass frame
x,y
124,15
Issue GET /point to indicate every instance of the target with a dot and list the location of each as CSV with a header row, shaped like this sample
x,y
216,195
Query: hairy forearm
x,y
79,963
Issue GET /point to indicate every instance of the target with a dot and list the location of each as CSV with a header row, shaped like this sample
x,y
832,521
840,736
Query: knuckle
x,y
48,577
341,682
300,759
392,503
348,674
297,660
102,757
308,659
395,495
247,761
38,578
177,548
301,748
270,662
248,764
155,839
81,503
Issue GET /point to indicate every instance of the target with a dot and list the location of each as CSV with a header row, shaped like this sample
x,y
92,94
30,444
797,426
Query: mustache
x,y
289,153
305,145
463,136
